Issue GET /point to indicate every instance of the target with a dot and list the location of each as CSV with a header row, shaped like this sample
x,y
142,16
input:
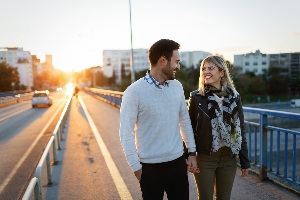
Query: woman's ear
x,y
222,73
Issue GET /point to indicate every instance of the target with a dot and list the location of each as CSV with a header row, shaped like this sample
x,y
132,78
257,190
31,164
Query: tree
x,y
277,83
8,75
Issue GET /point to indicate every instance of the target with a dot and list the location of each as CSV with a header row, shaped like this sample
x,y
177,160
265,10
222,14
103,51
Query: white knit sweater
x,y
153,122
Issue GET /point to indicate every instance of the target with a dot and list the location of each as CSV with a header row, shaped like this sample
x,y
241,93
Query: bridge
x,y
90,164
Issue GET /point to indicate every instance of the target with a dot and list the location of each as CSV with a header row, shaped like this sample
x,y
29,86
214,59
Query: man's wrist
x,y
192,153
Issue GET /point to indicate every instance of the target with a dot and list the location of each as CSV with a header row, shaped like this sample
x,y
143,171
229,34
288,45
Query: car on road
x,y
41,98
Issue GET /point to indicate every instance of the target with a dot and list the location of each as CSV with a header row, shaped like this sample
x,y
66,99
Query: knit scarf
x,y
227,126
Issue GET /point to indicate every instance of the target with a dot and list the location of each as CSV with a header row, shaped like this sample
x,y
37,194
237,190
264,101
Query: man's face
x,y
172,66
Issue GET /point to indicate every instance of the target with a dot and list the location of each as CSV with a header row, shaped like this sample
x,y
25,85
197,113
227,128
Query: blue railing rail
x,y
260,138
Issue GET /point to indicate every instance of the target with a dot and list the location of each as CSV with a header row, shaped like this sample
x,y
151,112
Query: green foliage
x,y
8,75
189,78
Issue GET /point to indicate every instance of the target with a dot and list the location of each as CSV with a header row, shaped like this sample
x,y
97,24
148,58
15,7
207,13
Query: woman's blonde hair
x,y
226,80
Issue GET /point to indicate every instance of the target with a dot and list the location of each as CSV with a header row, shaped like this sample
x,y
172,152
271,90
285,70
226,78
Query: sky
x,y
75,32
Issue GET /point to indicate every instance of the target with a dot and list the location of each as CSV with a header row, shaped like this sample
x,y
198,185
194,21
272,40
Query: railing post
x,y
48,169
263,147
37,194
62,127
55,161
58,137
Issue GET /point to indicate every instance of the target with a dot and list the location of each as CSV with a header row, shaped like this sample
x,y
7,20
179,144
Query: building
x,y
192,58
17,57
36,65
256,62
289,64
118,61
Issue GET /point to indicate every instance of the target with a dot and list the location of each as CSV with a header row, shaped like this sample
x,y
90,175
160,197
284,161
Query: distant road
x,y
285,106
24,133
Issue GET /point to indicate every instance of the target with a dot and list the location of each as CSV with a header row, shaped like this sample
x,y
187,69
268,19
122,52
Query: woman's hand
x,y
191,163
138,174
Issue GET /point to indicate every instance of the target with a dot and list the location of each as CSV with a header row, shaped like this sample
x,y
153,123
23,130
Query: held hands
x,y
138,174
191,163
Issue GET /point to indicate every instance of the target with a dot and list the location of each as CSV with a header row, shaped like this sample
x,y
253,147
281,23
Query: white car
x,y
41,98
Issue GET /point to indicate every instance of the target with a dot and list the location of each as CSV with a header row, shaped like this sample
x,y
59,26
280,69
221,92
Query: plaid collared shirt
x,y
154,82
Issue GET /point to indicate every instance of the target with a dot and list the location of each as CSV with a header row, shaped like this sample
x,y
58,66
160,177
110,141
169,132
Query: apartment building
x,y
256,62
288,63
17,57
192,58
116,61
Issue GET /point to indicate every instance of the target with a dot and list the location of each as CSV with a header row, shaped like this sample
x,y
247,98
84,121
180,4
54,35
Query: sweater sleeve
x,y
128,118
185,126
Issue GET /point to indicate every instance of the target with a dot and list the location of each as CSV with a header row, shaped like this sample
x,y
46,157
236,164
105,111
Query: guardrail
x,y
54,142
263,158
109,96
5,101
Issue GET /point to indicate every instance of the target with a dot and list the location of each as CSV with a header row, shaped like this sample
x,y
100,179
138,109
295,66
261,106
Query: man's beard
x,y
168,72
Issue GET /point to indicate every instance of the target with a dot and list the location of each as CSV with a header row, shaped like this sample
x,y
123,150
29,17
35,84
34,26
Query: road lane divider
x,y
115,174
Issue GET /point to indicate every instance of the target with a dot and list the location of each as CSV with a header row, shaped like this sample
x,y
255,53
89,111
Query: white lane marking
x,y
114,172
15,113
19,164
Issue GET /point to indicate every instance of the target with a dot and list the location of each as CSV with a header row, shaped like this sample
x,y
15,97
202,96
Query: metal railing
x,y
54,142
109,96
272,150
260,137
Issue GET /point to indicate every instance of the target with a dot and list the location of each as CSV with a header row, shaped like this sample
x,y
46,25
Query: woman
x,y
218,123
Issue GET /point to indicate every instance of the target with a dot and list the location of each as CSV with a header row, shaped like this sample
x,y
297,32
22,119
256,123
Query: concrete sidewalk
x,y
83,173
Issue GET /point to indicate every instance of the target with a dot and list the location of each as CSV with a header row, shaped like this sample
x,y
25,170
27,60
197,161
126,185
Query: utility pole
x,y
131,54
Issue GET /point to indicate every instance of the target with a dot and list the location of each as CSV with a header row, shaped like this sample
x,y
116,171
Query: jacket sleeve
x,y
243,154
191,108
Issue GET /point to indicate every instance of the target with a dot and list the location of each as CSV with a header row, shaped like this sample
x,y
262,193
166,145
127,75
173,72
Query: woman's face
x,y
212,74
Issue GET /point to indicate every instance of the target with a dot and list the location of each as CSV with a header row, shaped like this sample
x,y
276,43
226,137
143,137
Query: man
x,y
153,121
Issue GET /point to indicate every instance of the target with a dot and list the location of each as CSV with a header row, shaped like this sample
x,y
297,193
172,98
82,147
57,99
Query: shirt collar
x,y
154,82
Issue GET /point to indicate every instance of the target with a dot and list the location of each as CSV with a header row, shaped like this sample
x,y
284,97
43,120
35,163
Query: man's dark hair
x,y
163,47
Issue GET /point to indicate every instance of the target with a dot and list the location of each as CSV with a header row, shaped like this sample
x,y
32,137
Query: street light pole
x,y
131,54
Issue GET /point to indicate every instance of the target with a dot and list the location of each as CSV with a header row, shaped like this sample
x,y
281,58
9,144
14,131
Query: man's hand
x,y
138,174
245,172
192,164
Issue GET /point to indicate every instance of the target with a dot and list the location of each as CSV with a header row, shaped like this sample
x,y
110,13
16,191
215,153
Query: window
x,y
254,63
283,55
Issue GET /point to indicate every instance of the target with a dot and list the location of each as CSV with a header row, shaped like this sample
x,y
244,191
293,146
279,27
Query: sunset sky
x,y
76,31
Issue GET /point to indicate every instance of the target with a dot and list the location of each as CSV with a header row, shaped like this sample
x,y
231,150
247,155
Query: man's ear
x,y
162,61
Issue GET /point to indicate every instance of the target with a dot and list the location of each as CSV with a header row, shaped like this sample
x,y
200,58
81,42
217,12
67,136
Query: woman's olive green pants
x,y
216,170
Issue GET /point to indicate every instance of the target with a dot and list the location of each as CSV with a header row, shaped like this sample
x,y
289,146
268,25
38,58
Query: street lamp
x,y
13,86
131,54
